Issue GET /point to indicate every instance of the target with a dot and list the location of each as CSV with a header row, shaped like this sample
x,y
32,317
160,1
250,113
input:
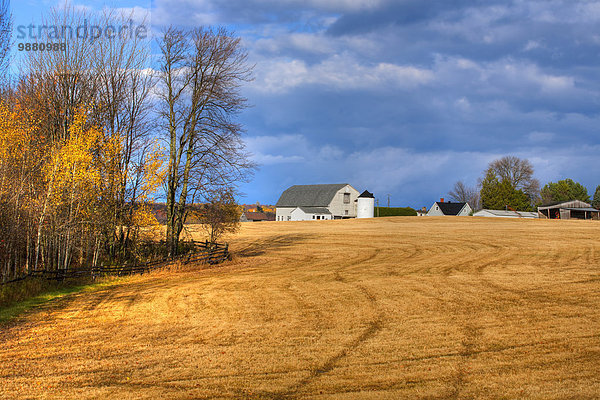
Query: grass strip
x,y
17,308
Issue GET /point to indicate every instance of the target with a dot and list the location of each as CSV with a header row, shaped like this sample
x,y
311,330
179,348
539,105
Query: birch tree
x,y
109,76
77,161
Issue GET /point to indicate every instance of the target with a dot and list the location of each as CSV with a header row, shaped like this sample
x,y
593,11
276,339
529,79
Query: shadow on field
x,y
260,247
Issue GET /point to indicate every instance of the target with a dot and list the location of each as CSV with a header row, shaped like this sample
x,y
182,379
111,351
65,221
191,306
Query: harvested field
x,y
402,307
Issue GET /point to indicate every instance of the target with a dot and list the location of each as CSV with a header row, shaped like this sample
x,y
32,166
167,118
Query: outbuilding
x,y
505,214
310,214
248,216
574,209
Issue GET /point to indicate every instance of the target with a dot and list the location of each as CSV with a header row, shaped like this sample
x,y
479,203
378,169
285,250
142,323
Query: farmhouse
x,y
574,209
449,208
505,214
317,202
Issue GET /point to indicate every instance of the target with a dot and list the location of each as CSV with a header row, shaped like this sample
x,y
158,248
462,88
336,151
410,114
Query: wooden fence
x,y
204,252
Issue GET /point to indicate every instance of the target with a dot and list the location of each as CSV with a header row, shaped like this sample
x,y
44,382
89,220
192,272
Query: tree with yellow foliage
x,y
57,198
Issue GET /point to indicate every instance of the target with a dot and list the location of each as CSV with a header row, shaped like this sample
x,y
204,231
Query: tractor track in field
x,y
373,326
470,339
405,308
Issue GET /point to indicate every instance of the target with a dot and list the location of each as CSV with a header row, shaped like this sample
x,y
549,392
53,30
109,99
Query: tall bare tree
x,y
463,193
123,108
200,76
62,81
518,172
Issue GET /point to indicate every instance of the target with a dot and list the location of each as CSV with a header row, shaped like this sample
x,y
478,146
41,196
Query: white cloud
x,y
532,73
463,104
532,45
339,72
305,42
281,149
269,159
506,76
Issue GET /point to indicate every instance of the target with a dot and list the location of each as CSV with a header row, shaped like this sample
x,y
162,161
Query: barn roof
x,y
450,208
256,216
572,204
592,209
309,195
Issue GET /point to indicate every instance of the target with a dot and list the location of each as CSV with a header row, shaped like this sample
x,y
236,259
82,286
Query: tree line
x,y
508,183
91,134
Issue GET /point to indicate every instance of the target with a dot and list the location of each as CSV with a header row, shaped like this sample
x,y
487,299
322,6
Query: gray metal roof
x,y
315,210
581,209
508,213
566,204
532,214
309,195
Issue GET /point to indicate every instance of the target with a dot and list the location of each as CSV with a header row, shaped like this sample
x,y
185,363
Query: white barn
x,y
317,202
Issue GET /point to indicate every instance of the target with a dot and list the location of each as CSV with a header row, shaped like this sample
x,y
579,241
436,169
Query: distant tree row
x,y
83,134
508,184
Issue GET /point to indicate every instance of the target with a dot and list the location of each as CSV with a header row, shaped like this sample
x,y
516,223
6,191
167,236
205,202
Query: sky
x,y
403,98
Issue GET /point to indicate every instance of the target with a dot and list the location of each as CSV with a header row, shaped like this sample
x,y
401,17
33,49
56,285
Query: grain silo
x,y
366,205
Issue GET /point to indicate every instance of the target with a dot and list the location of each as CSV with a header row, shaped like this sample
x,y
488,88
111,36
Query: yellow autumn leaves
x,y
68,188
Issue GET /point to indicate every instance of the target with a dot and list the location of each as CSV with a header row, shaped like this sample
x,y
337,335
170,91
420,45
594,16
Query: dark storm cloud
x,y
402,13
391,95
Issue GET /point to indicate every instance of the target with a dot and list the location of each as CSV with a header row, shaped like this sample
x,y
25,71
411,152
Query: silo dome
x,y
366,205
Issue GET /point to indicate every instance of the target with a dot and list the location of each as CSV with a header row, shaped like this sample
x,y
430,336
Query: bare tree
x,y
200,76
123,108
518,172
62,81
464,193
220,215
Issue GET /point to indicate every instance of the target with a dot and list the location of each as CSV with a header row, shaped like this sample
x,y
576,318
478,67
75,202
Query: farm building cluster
x,y
574,209
342,201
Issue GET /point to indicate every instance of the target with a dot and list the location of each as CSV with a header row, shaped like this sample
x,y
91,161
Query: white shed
x,y
310,214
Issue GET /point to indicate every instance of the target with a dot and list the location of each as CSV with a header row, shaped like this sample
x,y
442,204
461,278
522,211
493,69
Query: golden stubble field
x,y
359,309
